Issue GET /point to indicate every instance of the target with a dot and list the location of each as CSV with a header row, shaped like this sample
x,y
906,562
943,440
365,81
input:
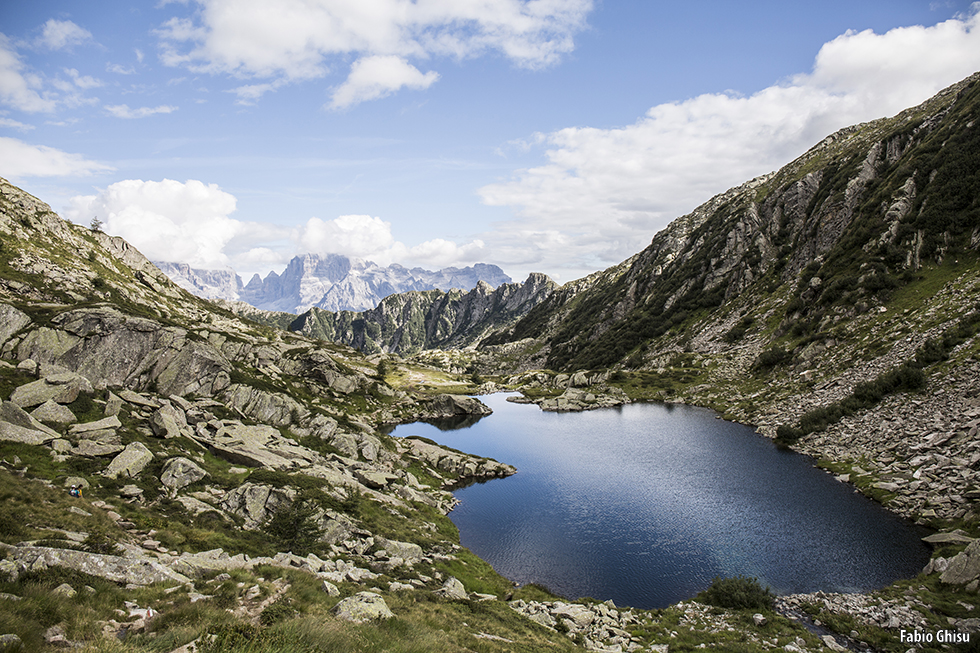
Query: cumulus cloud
x,y
370,238
18,88
62,34
191,222
298,39
166,220
375,77
123,111
20,160
602,194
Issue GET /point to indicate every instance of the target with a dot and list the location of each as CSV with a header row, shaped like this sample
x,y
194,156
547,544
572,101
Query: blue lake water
x,y
647,503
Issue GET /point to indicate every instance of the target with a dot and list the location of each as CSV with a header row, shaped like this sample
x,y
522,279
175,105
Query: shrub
x,y
787,435
295,527
772,357
738,592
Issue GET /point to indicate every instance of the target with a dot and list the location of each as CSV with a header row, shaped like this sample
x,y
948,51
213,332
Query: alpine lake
x,y
647,503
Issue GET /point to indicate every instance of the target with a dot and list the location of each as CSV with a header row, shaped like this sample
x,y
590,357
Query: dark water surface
x,y
647,503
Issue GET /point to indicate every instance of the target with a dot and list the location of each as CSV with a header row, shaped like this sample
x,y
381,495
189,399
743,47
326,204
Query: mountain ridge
x,y
331,282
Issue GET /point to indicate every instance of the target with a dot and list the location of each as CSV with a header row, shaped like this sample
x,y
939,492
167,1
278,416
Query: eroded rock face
x,y
362,607
266,407
104,345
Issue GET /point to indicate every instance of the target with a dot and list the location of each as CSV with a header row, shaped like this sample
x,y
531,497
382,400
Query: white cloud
x,y
123,111
13,124
378,76
61,34
20,160
250,93
191,223
370,238
119,69
603,193
83,81
19,89
294,40
166,220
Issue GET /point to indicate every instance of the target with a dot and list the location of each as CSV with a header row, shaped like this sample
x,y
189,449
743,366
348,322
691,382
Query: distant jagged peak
x,y
330,281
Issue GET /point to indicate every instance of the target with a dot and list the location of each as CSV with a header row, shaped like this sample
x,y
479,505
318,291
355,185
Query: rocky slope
x,y
330,282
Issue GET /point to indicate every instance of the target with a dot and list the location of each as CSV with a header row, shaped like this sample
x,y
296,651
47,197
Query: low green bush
x,y
737,592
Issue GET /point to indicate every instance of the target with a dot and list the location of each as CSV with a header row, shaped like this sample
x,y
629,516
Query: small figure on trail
x,y
75,491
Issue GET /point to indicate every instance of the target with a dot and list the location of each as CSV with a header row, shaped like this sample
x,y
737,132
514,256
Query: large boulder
x,y
168,422
407,551
130,462
964,567
266,407
446,405
255,503
363,606
37,392
18,426
181,472
258,446
453,590
53,412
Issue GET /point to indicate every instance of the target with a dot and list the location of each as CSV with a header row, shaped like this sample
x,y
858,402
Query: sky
x,y
554,136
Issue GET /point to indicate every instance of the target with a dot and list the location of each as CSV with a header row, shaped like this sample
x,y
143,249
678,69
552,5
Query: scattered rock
x,y
53,412
363,606
453,590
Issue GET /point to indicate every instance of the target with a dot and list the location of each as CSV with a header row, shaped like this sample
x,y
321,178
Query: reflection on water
x,y
645,504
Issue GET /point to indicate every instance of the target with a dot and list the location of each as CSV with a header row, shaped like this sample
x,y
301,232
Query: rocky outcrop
x,y
446,405
461,467
117,569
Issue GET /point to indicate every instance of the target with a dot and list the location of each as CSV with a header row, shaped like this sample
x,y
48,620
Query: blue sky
x,y
546,135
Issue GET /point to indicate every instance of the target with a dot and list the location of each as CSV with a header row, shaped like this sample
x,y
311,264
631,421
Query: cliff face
x,y
411,322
